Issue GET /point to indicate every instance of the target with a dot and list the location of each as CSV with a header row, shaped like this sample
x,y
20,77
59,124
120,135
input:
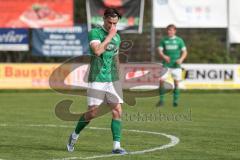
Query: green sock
x,y
161,93
116,128
176,93
82,123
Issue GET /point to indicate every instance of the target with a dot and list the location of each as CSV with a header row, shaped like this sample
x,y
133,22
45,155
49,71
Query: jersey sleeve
x,y
182,45
161,45
93,36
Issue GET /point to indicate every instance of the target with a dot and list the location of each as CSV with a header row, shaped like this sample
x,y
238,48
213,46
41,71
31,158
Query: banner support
x,y
228,45
152,37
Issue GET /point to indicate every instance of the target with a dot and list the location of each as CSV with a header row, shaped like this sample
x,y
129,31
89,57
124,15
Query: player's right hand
x,y
167,59
112,32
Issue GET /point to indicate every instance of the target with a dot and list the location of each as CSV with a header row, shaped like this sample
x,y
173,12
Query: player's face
x,y
171,32
109,22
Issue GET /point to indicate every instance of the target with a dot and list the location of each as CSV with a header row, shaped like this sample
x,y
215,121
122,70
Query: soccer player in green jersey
x,y
173,52
104,84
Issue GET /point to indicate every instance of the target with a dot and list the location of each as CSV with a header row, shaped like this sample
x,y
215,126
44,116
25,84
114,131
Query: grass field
x,y
210,130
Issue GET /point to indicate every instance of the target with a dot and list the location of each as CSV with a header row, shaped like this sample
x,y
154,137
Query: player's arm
x,y
162,55
182,58
183,53
98,47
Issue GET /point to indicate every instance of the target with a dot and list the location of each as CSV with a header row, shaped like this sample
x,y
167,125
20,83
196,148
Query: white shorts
x,y
176,74
104,92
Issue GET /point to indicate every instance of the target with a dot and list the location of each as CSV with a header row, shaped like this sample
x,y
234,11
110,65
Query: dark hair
x,y
171,26
111,12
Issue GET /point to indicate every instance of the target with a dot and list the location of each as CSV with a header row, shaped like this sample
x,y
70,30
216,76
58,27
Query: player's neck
x,y
172,37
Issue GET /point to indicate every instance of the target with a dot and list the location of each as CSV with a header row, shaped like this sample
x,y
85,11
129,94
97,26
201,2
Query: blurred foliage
x,y
204,45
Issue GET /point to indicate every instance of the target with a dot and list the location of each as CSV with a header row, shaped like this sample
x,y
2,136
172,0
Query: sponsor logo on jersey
x,y
111,47
171,47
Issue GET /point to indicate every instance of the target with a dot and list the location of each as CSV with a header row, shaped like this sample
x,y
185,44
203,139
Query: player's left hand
x,y
179,61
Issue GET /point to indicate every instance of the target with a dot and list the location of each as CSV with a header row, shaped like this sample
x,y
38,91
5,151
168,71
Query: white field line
x,y
173,140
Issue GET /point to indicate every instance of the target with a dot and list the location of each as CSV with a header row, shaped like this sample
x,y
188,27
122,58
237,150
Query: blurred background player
x,y
173,52
104,84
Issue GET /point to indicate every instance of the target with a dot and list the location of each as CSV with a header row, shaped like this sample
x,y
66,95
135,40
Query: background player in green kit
x,y
173,51
104,84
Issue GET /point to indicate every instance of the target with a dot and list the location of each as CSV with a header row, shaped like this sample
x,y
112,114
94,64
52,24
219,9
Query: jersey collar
x,y
104,29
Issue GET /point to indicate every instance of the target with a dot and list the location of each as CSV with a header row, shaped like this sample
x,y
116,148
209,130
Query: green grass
x,y
213,132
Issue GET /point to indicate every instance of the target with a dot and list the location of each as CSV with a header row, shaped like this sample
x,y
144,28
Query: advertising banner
x,y
194,76
14,39
234,22
29,76
134,76
131,11
190,13
71,41
211,76
36,13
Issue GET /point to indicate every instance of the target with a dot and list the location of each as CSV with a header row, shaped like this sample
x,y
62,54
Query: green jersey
x,y
104,68
173,48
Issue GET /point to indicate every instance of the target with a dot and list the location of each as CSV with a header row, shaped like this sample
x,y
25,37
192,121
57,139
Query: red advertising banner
x,y
36,13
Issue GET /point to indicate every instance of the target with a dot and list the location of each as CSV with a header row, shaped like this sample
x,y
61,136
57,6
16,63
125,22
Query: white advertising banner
x,y
195,76
190,13
234,22
211,76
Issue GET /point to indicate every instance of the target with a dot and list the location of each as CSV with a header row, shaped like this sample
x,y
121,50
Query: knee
x,y
117,112
161,80
176,83
90,115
